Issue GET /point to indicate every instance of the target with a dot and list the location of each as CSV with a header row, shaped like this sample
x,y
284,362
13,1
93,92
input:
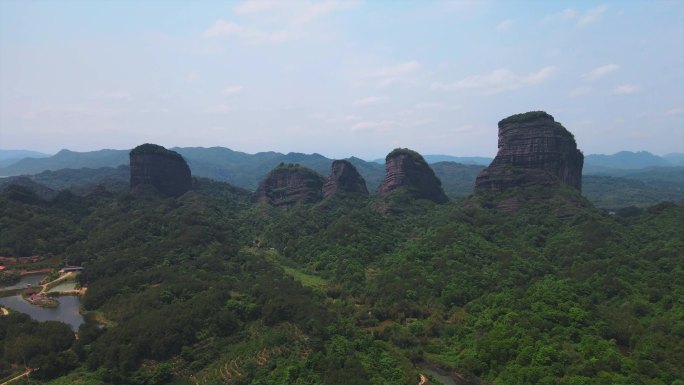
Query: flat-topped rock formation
x,y
290,184
163,169
344,179
534,150
406,169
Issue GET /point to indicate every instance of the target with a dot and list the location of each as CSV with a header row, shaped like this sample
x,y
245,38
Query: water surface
x,y
66,312
31,279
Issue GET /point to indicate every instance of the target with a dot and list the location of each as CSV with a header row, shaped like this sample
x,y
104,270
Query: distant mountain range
x,y
239,168
22,162
627,160
8,157
477,160
633,178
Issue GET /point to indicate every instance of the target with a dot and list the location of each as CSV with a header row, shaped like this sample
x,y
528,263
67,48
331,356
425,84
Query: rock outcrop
x,y
344,179
165,170
290,184
406,169
533,150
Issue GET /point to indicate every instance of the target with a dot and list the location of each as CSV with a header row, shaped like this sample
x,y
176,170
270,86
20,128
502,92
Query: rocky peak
x,y
344,179
406,169
165,170
290,184
534,149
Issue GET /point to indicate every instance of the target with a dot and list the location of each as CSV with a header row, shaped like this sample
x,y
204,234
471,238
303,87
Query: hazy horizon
x,y
338,78
369,159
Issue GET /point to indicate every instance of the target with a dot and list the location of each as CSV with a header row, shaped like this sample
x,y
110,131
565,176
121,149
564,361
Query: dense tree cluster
x,y
533,286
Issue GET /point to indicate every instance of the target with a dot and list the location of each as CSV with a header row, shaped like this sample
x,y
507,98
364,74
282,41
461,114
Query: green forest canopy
x,y
556,292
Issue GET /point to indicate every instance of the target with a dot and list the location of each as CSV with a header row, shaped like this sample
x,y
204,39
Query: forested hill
x,y
640,189
533,286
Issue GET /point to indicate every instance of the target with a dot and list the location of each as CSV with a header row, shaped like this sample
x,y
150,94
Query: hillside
x,y
627,160
624,188
210,286
608,182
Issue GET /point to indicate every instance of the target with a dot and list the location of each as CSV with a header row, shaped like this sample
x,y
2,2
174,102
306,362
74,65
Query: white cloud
x,y
567,14
369,100
378,125
421,122
218,109
339,119
229,29
580,91
428,105
463,128
222,28
499,80
315,10
600,72
395,74
564,15
592,15
504,25
292,11
625,89
436,106
674,111
192,76
255,6
398,69
231,90
276,21
116,95
88,110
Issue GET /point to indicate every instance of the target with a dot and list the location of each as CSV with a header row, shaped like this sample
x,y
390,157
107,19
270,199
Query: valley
x,y
314,279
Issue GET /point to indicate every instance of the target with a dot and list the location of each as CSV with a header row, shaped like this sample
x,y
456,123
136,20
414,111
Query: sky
x,y
339,78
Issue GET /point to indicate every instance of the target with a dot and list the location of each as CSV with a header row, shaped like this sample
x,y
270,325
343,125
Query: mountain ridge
x,y
208,157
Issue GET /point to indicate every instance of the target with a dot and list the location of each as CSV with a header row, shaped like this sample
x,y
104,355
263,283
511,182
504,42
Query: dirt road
x,y
26,373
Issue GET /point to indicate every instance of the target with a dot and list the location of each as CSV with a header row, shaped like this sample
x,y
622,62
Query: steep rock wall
x,y
163,169
406,169
534,149
344,179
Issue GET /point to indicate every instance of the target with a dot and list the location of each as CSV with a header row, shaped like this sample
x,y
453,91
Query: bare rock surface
x,y
534,149
344,179
290,184
165,170
406,169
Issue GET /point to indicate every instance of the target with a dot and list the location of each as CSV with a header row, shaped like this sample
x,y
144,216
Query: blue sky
x,y
340,78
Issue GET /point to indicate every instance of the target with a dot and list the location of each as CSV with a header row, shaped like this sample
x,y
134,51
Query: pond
x,y
66,312
32,280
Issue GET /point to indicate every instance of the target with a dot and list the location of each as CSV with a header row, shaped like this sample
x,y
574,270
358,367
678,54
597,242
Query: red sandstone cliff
x,y
163,169
288,185
406,169
533,150
344,179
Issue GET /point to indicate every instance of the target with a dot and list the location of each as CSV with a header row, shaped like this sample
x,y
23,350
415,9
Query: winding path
x,y
45,287
26,373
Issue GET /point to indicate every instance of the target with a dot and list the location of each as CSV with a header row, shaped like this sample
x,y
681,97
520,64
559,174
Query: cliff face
x,y
533,150
406,169
344,179
288,185
164,169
